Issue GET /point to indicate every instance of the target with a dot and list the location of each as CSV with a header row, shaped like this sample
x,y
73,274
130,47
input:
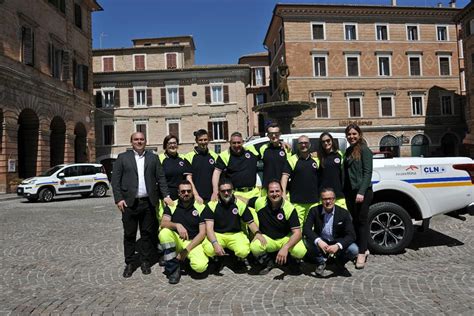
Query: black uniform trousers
x,y
360,216
139,215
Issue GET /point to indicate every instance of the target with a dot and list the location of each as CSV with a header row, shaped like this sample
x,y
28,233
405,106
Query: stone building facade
x,y
465,19
45,86
393,70
257,90
155,87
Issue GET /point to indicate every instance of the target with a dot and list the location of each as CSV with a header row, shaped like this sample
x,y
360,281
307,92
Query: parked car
x,y
77,178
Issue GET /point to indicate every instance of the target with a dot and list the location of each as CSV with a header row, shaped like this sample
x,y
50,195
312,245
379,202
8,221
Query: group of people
x,y
201,207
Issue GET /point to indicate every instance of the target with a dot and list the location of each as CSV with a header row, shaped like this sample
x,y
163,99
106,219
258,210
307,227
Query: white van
x,y
77,178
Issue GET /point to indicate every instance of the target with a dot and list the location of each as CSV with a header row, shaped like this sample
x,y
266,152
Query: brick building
x,y
465,19
45,95
257,90
155,87
393,70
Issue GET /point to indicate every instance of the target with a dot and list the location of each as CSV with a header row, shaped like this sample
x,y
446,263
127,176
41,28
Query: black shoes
x,y
128,271
321,270
146,269
174,277
267,268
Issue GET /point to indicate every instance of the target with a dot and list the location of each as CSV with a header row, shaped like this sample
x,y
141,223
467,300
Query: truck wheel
x,y
100,190
46,195
390,228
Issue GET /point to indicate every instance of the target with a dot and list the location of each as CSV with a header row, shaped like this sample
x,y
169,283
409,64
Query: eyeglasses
x,y
226,191
327,141
185,191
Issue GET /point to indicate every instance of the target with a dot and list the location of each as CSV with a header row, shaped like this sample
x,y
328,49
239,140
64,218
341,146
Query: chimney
x,y
452,3
394,3
440,4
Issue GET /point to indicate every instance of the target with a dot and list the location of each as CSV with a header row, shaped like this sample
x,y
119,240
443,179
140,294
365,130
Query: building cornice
x,y
469,9
360,12
228,73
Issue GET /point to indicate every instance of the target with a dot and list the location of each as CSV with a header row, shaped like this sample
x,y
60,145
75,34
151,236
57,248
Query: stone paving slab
x,y
66,257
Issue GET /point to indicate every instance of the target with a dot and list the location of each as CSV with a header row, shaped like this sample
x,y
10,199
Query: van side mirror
x,y
61,175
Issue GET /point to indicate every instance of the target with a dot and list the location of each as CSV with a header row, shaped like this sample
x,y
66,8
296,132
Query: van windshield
x,y
50,172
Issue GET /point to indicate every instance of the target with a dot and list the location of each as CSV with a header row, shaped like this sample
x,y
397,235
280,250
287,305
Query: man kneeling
x,y
224,225
182,231
280,226
329,232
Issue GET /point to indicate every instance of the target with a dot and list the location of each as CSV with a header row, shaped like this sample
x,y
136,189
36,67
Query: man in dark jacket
x,y
138,182
329,232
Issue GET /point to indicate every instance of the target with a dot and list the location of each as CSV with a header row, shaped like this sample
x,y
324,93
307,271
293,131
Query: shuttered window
x,y
386,106
322,108
444,68
108,64
415,67
352,66
171,61
78,15
27,46
139,62
354,107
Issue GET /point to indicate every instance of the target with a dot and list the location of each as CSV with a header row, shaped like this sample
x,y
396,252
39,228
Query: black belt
x,y
244,189
145,198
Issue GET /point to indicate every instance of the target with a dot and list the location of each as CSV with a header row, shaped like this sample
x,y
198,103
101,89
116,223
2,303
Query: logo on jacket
x,y
315,166
181,163
337,160
282,153
247,155
211,161
280,216
195,213
235,211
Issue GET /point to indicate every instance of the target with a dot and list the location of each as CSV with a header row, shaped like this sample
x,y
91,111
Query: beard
x,y
226,199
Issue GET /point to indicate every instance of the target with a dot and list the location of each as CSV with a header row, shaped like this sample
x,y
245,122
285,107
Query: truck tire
x,y
46,195
390,228
100,190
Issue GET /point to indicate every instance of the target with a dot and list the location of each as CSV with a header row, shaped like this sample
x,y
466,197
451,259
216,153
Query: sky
x,y
223,30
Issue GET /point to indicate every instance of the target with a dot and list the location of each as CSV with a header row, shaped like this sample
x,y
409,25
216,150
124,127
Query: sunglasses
x,y
185,191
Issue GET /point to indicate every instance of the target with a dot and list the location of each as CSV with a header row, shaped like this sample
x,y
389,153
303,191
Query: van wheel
x,y
100,190
46,195
390,228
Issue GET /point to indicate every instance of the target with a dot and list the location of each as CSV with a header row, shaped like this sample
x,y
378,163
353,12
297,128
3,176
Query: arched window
x,y
419,145
390,143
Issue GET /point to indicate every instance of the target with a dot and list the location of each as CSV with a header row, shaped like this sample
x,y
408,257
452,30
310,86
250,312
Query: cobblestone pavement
x,y
66,257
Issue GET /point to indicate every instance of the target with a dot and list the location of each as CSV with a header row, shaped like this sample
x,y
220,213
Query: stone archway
x,y
449,145
420,146
28,133
80,143
57,141
390,143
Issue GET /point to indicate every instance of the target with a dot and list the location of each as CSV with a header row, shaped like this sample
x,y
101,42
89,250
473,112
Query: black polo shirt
x,y
242,168
274,159
331,174
188,217
202,168
226,217
303,185
175,169
274,224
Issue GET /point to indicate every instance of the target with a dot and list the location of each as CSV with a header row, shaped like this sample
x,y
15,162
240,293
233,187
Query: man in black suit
x,y
329,232
138,182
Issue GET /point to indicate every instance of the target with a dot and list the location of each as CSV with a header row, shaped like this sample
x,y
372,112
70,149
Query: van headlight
x,y
29,181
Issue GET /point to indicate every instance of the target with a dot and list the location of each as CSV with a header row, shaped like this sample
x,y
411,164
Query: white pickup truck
x,y
407,190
